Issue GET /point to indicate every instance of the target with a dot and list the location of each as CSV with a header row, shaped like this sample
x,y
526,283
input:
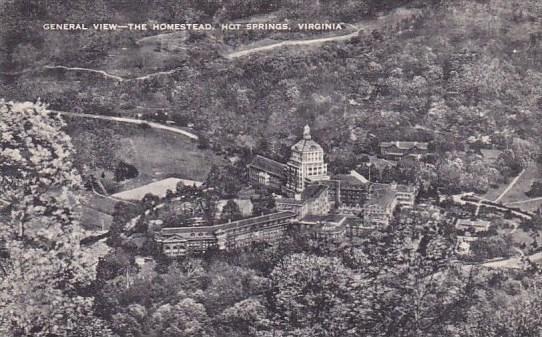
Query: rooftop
x,y
394,187
306,144
381,163
325,224
245,205
479,224
289,201
382,197
405,145
491,154
351,179
313,191
268,165
228,225
333,218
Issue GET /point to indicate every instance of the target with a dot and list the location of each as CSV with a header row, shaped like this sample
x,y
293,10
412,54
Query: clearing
x,y
157,154
516,194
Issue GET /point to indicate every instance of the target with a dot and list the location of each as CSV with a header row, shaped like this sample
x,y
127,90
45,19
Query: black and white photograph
x,y
270,168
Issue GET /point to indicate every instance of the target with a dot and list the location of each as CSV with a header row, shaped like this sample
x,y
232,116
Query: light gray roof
x,y
405,145
306,145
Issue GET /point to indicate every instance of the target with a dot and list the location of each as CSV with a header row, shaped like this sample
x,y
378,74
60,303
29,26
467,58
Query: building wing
x,y
269,166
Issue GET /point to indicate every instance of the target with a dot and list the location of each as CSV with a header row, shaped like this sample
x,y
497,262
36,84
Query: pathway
x,y
118,78
114,77
524,201
512,183
246,52
478,203
131,121
513,262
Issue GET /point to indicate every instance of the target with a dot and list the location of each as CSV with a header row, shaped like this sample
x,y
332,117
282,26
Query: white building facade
x,y
306,164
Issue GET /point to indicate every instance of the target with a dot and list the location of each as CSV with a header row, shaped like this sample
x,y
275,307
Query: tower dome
x,y
306,144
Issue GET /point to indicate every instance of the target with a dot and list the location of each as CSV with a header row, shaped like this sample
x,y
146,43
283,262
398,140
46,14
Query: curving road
x,y
514,262
153,125
524,201
232,55
246,52
87,70
114,77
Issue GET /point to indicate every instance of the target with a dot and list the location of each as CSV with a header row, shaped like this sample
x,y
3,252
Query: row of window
x,y
248,240
314,156
175,247
315,171
199,234
254,228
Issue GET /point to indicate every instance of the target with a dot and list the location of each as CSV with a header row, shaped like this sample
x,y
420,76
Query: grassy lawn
x,y
150,57
491,155
157,154
493,193
526,239
530,206
517,192
523,185
94,220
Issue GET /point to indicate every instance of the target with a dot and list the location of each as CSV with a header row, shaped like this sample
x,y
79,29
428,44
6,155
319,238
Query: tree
x,y
311,296
213,177
265,203
520,317
129,323
187,318
411,287
524,151
150,200
226,180
114,264
203,142
492,247
41,290
96,145
244,318
125,171
536,189
231,211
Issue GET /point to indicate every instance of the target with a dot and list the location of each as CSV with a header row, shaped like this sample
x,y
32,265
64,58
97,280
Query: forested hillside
x,y
444,71
469,67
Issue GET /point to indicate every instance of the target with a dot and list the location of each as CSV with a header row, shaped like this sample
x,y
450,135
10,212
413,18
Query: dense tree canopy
x,y
41,289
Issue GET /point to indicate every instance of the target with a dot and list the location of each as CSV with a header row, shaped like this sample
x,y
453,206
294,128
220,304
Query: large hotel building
x,y
306,164
345,204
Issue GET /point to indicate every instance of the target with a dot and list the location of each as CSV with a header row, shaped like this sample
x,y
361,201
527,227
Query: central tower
x,y
306,164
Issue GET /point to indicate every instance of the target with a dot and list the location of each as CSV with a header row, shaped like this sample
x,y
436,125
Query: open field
x,y
94,220
515,196
96,211
156,154
528,205
493,193
523,185
491,155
